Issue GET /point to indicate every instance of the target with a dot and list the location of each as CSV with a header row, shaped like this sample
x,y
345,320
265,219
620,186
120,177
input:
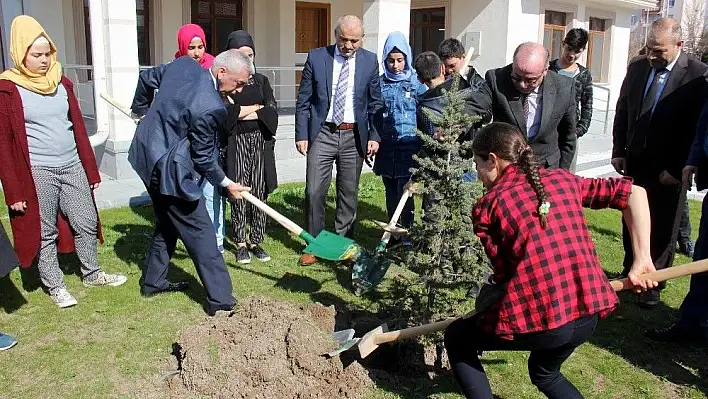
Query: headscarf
x,y
185,35
23,33
397,41
238,39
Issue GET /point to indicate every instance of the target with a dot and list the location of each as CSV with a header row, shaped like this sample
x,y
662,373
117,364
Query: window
x,y
218,18
554,32
427,29
596,47
142,11
142,17
633,20
672,3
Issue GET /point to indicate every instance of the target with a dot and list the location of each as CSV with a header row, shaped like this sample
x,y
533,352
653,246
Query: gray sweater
x,y
50,133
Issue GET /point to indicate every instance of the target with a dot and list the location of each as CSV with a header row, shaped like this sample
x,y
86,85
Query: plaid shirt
x,y
551,276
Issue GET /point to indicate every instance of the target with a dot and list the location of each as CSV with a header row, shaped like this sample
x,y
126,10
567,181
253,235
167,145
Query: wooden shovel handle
x,y
110,100
664,274
396,214
285,222
617,285
412,332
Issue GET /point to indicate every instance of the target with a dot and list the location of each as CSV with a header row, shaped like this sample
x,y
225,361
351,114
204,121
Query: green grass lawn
x,y
115,341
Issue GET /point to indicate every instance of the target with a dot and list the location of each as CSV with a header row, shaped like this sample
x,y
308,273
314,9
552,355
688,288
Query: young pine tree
x,y
446,258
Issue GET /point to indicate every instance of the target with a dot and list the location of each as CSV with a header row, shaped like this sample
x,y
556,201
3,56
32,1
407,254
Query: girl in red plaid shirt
x,y
548,287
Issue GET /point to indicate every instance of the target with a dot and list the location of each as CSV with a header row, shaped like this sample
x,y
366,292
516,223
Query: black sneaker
x,y
242,255
259,253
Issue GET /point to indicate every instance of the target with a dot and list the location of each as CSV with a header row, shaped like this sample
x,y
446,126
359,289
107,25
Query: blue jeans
x,y
694,309
216,209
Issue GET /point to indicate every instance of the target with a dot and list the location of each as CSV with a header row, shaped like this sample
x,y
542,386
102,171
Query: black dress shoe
x,y
221,310
674,334
687,248
171,287
650,299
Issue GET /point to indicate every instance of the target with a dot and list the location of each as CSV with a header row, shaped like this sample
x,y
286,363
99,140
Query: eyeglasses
x,y
528,81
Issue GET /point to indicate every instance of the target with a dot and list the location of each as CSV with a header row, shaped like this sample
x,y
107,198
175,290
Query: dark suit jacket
x,y
177,139
554,144
666,142
315,95
698,156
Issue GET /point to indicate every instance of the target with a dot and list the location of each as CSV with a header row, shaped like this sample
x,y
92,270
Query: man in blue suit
x,y
338,99
176,146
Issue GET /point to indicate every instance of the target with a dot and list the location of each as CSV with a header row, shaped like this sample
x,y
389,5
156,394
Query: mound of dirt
x,y
267,349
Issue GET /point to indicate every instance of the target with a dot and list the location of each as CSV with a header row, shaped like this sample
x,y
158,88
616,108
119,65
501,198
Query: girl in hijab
x,y
400,89
47,166
191,42
250,155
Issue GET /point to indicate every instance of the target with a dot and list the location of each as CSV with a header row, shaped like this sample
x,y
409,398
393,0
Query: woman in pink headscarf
x,y
191,41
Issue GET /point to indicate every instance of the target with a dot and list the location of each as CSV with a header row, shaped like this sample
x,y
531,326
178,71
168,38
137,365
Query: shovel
x,y
110,100
326,245
380,335
369,269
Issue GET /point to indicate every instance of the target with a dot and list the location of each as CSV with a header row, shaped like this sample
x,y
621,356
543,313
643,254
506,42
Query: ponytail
x,y
527,162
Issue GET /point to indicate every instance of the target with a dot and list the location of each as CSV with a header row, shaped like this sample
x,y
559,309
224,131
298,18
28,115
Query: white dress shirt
x,y
349,101
533,121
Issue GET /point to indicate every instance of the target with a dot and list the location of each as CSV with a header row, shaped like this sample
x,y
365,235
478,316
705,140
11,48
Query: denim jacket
x,y
399,114
399,140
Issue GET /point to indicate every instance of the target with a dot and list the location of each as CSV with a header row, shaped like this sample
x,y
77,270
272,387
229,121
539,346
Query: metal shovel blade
x,y
345,340
332,247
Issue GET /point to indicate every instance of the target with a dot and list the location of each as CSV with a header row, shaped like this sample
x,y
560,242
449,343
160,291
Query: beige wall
x,y
166,17
49,14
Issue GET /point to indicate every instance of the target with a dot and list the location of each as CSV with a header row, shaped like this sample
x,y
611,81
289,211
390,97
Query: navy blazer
x,y
315,95
176,142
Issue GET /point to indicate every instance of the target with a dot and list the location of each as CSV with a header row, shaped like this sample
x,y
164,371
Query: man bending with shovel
x,y
174,147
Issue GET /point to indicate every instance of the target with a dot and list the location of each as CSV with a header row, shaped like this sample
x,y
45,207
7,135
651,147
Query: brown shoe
x,y
307,260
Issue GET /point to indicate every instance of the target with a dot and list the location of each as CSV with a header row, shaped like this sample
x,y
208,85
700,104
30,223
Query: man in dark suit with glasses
x,y
539,103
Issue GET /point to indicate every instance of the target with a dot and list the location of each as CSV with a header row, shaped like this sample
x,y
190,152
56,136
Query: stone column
x,y
382,17
114,45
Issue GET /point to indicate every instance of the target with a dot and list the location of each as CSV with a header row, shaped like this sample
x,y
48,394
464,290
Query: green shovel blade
x,y
330,246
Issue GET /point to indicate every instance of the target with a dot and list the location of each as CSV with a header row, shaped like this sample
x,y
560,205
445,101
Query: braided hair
x,y
507,143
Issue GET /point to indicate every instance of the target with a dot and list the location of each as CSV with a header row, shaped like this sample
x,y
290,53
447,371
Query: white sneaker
x,y
103,279
63,299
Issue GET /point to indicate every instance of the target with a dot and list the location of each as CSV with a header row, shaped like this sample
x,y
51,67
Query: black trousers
x,y
188,220
549,349
664,201
684,235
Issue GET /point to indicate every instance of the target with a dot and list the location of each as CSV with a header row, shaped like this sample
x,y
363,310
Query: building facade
x,y
116,36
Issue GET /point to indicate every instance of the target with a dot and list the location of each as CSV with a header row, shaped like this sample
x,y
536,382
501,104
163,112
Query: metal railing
x,y
605,109
283,80
81,76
